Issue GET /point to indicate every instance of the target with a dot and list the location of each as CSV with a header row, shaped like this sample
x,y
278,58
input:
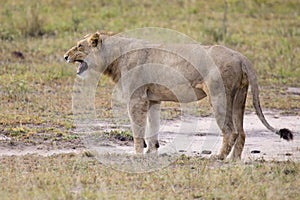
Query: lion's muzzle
x,y
82,67
66,57
82,64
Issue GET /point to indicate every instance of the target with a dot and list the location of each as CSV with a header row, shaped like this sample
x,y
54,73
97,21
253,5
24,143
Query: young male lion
x,y
151,73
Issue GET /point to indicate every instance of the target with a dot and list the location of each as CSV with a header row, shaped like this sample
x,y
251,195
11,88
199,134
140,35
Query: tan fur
x,y
115,54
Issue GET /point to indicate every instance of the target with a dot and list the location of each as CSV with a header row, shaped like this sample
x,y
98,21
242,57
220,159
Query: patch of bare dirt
x,y
204,139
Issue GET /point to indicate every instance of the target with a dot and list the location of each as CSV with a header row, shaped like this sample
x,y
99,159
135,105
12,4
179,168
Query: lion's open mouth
x,y
82,67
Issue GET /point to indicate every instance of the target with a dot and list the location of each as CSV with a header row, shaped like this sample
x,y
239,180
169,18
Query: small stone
x,y
200,134
164,154
88,154
18,54
206,152
255,151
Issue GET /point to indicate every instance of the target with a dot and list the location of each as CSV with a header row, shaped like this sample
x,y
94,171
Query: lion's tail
x,y
247,68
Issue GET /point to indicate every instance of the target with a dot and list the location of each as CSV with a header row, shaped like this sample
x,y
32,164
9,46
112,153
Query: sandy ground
x,y
190,136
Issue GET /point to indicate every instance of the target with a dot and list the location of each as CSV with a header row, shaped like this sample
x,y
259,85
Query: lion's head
x,y
79,52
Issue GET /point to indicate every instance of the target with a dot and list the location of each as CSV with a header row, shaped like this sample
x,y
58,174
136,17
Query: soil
x,y
190,136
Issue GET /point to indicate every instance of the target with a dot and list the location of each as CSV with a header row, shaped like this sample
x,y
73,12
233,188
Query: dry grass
x,y
79,177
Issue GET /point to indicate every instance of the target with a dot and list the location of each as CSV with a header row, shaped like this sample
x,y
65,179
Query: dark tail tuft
x,y
285,134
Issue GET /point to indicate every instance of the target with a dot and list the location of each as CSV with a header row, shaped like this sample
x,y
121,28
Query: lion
x,y
178,73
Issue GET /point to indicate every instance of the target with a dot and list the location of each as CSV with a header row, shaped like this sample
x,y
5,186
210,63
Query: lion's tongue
x,y
82,67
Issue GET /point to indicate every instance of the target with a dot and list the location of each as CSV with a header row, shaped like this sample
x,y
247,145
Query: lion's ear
x,y
94,40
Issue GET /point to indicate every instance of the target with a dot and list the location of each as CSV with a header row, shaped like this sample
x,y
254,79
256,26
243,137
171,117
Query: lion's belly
x,y
178,93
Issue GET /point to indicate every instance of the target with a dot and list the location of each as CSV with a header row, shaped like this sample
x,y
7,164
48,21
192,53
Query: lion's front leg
x,y
152,129
138,115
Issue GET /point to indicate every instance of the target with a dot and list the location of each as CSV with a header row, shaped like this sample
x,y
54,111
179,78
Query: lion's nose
x,y
66,57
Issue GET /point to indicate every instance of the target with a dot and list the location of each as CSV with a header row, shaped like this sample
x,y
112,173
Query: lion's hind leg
x,y
223,115
238,118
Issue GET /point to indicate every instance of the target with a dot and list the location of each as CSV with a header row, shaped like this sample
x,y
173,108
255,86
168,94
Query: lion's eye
x,y
79,45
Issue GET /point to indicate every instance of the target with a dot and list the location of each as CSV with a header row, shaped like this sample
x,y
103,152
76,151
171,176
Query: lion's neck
x,y
116,52
113,71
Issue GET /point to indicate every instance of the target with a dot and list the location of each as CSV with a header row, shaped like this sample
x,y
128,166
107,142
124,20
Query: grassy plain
x,y
79,177
36,93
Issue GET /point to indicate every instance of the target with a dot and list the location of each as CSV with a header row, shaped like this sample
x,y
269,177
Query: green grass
x,y
81,177
36,94
266,31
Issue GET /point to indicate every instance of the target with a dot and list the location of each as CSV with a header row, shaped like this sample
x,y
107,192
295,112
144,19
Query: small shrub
x,y
34,23
18,90
6,35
